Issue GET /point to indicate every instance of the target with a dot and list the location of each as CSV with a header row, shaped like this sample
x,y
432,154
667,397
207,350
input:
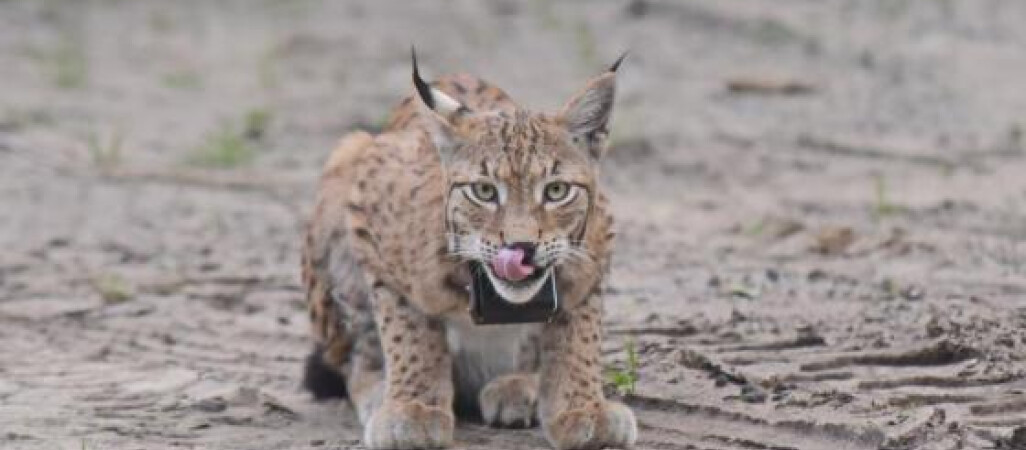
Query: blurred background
x,y
821,221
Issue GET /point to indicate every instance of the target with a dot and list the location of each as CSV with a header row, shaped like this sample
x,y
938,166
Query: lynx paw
x,y
509,401
611,425
408,426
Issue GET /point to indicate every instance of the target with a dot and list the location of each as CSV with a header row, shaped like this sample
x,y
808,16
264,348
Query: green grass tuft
x,y
66,63
547,15
106,154
256,122
625,379
113,288
182,79
754,229
224,148
587,45
882,206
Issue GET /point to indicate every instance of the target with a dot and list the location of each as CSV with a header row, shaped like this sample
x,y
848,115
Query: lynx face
x,y
520,184
528,191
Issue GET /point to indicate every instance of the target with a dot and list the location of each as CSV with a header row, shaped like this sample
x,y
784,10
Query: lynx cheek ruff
x,y
488,307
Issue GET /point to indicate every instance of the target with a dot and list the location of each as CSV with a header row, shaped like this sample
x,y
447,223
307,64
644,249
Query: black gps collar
x,y
487,307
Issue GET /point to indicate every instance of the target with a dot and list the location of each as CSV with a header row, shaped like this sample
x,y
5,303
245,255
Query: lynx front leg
x,y
416,409
574,412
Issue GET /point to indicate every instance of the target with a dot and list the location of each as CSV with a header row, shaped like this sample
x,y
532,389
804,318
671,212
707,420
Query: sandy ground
x,y
822,231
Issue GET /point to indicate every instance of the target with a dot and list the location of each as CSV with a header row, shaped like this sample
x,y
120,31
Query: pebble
x,y
211,404
751,393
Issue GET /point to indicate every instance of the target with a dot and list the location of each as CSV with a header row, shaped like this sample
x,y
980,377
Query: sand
x,y
821,233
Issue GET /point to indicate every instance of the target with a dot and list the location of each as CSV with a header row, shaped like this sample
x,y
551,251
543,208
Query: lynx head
x,y
520,185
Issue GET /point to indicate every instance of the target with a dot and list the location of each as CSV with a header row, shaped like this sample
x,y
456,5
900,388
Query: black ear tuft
x,y
616,65
422,88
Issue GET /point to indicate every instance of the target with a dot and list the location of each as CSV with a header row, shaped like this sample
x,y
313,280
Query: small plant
x,y
743,291
256,122
21,118
224,148
66,63
775,32
625,380
883,206
546,15
587,46
755,228
106,154
113,289
182,79
161,22
71,68
267,73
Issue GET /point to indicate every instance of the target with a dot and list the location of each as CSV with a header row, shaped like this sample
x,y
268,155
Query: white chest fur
x,y
483,352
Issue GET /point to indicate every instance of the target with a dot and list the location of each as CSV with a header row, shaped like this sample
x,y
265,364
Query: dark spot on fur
x,y
362,233
414,190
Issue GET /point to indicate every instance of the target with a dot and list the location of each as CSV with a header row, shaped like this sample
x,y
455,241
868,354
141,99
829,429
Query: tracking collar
x,y
487,307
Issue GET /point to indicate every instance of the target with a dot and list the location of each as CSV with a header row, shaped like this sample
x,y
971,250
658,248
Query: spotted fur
x,y
385,265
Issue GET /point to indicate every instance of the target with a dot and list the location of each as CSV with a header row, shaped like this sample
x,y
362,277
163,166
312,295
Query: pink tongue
x,y
509,265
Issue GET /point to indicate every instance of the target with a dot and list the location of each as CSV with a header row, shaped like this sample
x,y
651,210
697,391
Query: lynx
x,y
464,179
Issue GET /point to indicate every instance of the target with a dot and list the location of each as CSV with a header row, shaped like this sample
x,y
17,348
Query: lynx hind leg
x,y
365,377
323,375
320,378
347,358
510,401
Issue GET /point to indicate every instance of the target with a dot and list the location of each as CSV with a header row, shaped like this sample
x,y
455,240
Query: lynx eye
x,y
556,191
485,192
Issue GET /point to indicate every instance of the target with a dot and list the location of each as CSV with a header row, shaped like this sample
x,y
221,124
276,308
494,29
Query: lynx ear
x,y
443,112
586,115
